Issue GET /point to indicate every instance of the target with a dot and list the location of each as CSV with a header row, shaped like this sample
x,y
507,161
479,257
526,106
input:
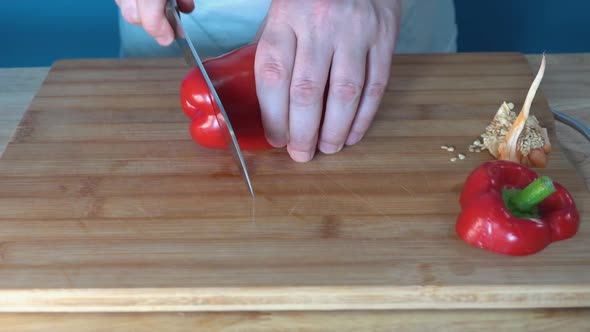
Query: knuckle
x,y
376,89
388,17
272,71
346,90
386,30
322,10
305,91
359,17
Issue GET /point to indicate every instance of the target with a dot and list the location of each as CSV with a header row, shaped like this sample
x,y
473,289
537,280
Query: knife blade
x,y
193,60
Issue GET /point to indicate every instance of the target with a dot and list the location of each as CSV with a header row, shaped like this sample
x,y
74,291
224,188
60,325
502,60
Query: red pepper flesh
x,y
491,218
232,75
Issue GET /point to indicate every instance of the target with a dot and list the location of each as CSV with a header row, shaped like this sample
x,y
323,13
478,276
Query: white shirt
x,y
219,26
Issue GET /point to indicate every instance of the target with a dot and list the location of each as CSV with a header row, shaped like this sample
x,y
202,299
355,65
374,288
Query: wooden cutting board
x,y
107,204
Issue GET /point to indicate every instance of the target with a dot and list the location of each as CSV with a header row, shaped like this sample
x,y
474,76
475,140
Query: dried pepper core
x,y
518,138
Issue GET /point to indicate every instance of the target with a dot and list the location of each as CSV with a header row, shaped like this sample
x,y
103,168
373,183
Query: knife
x,y
192,59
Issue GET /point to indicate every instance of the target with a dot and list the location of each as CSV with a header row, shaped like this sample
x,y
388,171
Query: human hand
x,y
150,15
306,47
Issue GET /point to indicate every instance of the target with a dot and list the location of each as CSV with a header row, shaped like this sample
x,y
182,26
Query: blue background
x,y
35,33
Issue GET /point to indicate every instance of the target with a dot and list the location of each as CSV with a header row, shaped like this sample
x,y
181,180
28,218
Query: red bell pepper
x,y
232,74
507,208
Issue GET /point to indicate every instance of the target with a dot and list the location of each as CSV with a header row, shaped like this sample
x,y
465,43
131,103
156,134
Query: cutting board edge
x,y
318,298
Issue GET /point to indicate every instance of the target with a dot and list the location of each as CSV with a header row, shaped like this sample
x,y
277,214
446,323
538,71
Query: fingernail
x,y
301,156
164,40
277,142
329,148
353,138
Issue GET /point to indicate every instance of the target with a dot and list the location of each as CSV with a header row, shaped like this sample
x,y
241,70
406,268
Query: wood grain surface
x,y
571,320
109,206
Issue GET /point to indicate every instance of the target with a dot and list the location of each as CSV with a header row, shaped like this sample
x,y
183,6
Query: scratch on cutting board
x,y
96,207
88,186
427,180
324,193
253,212
294,208
406,189
297,204
2,249
82,225
356,195
140,206
69,281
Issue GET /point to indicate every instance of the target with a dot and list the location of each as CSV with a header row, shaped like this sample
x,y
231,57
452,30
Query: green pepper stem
x,y
533,194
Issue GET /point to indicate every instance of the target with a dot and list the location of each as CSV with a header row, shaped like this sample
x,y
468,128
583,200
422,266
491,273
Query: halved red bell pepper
x,y
232,74
507,208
